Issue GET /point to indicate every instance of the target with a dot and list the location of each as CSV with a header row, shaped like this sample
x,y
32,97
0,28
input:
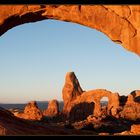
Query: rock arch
x,y
121,23
86,100
96,95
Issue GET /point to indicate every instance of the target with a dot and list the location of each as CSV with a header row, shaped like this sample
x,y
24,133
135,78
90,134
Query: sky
x,y
35,57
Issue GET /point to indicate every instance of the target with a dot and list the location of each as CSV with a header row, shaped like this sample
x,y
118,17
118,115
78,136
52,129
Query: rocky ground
x,y
105,125
11,125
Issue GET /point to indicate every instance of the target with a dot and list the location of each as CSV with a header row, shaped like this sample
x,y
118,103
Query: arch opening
x,y
104,101
78,49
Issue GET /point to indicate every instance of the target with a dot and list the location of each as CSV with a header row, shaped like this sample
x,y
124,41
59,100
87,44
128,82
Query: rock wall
x,y
121,23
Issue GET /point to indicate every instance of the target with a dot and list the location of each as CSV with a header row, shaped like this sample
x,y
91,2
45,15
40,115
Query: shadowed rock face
x,y
121,23
31,112
81,111
52,110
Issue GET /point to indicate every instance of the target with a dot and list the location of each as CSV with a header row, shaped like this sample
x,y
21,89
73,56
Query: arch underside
x,y
121,23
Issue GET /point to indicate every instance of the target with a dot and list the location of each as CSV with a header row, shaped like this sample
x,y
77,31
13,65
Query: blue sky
x,y
35,57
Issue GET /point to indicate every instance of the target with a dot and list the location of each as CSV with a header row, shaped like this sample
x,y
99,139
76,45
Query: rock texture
x,y
11,125
31,112
71,89
121,23
52,110
82,111
131,110
135,129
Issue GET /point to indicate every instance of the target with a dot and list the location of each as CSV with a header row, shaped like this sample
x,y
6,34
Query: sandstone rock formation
x,y
31,112
79,104
94,97
131,110
52,110
121,23
71,89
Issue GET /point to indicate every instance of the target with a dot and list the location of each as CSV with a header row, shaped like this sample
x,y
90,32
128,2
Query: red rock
x,y
79,105
13,126
121,23
131,110
52,110
31,112
71,89
135,129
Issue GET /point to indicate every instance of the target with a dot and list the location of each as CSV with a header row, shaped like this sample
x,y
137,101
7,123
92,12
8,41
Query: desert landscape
x,y
82,114
81,111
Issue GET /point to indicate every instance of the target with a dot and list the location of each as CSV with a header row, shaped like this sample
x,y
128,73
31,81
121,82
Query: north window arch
x,y
117,22
75,25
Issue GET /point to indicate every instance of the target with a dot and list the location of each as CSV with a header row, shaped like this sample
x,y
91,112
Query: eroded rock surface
x,y
71,90
52,110
31,112
131,110
121,23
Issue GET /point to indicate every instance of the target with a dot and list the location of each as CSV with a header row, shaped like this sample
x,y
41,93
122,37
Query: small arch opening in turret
x,y
104,101
104,105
